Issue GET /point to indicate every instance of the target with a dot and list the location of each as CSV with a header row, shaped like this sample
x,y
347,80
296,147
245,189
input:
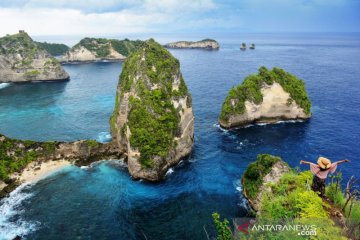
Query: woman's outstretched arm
x,y
342,161
304,162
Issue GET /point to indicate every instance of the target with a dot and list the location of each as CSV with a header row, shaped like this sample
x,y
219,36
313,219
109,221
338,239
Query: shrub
x,y
222,228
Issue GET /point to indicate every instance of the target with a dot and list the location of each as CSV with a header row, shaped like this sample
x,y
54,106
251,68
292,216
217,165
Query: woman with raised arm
x,y
321,171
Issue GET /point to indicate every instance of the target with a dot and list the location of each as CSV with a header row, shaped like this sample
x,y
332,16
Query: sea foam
x,y
104,137
11,223
4,85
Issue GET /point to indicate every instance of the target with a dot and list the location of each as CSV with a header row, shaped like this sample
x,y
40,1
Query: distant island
x,y
54,49
22,60
243,46
100,49
204,44
269,96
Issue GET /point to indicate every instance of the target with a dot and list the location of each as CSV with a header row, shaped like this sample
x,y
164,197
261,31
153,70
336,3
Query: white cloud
x,y
89,6
171,6
59,22
65,17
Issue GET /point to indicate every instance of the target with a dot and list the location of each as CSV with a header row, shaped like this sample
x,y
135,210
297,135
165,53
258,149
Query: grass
x,y
337,196
92,143
250,90
32,73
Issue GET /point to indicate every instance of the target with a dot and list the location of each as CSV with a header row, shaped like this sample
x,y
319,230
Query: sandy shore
x,y
36,171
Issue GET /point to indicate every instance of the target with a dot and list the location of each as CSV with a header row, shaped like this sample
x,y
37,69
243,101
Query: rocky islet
x,y
266,97
22,60
209,44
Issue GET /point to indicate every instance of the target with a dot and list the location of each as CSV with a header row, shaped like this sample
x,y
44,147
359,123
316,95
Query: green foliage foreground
x,y
291,202
250,90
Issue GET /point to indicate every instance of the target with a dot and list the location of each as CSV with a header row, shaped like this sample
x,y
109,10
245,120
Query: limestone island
x,y
152,126
22,60
100,49
266,97
153,121
210,44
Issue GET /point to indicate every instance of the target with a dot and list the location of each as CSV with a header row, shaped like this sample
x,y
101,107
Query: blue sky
x,y
45,17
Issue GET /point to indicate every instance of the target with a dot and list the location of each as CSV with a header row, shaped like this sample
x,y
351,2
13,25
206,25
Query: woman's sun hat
x,y
324,163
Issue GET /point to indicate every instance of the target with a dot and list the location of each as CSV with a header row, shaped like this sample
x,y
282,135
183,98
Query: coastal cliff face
x,y
269,96
205,44
100,49
21,60
15,155
153,121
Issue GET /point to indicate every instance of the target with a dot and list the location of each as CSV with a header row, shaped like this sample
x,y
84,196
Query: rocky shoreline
x,y
28,156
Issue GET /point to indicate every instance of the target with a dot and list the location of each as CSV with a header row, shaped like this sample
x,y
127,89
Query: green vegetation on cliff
x,y
22,44
101,46
153,120
250,90
126,46
16,154
54,48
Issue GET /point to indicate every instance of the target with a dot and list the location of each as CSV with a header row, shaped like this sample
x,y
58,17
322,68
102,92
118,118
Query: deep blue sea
x,y
103,202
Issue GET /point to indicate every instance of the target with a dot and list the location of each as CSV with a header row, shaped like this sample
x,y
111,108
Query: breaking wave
x,y
11,223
